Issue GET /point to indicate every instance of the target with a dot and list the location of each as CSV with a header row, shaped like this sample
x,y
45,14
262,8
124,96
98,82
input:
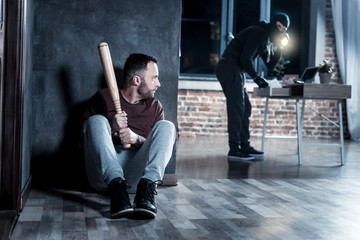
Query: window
x,y
200,36
206,25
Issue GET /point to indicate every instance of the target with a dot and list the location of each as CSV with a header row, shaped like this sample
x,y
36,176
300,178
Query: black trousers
x,y
232,81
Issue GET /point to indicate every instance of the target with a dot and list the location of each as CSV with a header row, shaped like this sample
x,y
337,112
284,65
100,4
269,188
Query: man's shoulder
x,y
258,30
104,96
255,31
153,101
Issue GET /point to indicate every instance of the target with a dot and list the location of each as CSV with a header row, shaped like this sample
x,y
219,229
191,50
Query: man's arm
x,y
253,41
95,105
274,59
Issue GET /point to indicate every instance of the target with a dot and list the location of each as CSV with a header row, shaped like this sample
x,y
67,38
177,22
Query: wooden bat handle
x,y
110,78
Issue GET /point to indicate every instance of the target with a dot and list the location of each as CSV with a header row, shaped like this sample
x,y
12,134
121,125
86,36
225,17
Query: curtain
x,y
346,17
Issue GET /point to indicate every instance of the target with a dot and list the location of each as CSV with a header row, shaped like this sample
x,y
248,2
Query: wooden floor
x,y
270,199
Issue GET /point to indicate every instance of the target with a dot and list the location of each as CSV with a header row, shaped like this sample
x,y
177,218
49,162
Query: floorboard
x,y
7,222
269,199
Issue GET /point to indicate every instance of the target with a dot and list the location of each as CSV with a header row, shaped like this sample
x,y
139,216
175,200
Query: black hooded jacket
x,y
249,44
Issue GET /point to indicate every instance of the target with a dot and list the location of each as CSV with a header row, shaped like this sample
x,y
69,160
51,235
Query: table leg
x,y
299,131
341,133
302,115
264,127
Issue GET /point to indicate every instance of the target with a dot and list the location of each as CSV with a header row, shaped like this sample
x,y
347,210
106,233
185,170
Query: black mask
x,y
273,30
282,18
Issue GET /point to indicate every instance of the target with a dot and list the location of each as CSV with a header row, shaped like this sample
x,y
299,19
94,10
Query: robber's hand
x,y
261,82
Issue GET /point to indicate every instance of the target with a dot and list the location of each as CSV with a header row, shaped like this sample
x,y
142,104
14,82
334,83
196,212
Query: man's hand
x,y
128,136
119,122
119,127
261,82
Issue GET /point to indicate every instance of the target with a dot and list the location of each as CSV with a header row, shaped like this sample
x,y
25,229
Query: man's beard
x,y
144,91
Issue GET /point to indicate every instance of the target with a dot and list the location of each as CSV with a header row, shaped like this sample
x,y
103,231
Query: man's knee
x,y
96,121
166,127
166,124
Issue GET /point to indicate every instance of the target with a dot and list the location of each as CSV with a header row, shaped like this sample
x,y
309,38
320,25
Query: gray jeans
x,y
105,161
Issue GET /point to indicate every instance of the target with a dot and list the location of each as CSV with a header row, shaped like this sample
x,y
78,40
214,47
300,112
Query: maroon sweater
x,y
142,116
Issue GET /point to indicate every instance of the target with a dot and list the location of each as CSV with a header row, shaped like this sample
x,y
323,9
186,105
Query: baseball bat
x,y
110,78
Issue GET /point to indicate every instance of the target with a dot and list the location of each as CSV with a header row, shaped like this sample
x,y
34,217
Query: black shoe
x,y
252,152
144,202
236,155
120,205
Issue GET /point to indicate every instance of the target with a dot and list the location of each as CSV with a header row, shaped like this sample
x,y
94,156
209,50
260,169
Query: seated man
x,y
109,166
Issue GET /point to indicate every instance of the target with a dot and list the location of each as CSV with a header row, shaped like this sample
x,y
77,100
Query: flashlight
x,y
284,40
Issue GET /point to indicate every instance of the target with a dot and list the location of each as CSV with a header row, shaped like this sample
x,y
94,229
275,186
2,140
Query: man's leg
x,y
245,132
233,86
147,167
100,156
245,125
232,82
102,166
153,156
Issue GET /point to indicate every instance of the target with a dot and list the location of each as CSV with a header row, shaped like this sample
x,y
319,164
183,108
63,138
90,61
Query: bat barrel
x,y
109,74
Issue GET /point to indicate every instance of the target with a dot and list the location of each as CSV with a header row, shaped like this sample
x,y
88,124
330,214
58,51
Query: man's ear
x,y
136,80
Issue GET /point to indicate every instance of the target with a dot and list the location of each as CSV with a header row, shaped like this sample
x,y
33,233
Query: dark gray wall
x,y
67,70
27,72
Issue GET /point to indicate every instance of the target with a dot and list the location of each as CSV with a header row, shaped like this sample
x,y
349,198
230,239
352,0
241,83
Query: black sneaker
x,y
236,155
144,202
120,205
252,152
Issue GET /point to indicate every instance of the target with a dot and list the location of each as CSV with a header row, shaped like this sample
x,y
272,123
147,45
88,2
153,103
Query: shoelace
x,y
250,149
151,191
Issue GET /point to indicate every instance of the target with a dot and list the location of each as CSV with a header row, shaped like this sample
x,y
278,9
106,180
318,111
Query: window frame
x,y
264,14
227,18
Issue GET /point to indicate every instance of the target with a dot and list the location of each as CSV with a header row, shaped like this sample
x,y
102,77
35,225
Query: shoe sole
x,y
257,156
122,213
144,213
233,158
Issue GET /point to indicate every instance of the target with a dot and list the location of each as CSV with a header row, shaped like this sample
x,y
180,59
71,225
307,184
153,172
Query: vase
x,y
325,78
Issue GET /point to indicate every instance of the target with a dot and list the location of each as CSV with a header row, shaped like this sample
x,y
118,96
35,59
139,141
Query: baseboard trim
x,y
25,192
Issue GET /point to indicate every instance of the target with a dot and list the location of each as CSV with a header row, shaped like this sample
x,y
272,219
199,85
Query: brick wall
x,y
330,45
203,113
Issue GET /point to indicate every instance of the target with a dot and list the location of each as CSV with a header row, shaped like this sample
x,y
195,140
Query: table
x,y
302,92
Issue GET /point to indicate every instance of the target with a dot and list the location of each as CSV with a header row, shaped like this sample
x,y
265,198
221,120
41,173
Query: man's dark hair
x,y
136,64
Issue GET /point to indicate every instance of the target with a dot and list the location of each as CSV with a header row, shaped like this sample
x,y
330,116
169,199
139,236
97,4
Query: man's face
x,y
281,27
150,82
